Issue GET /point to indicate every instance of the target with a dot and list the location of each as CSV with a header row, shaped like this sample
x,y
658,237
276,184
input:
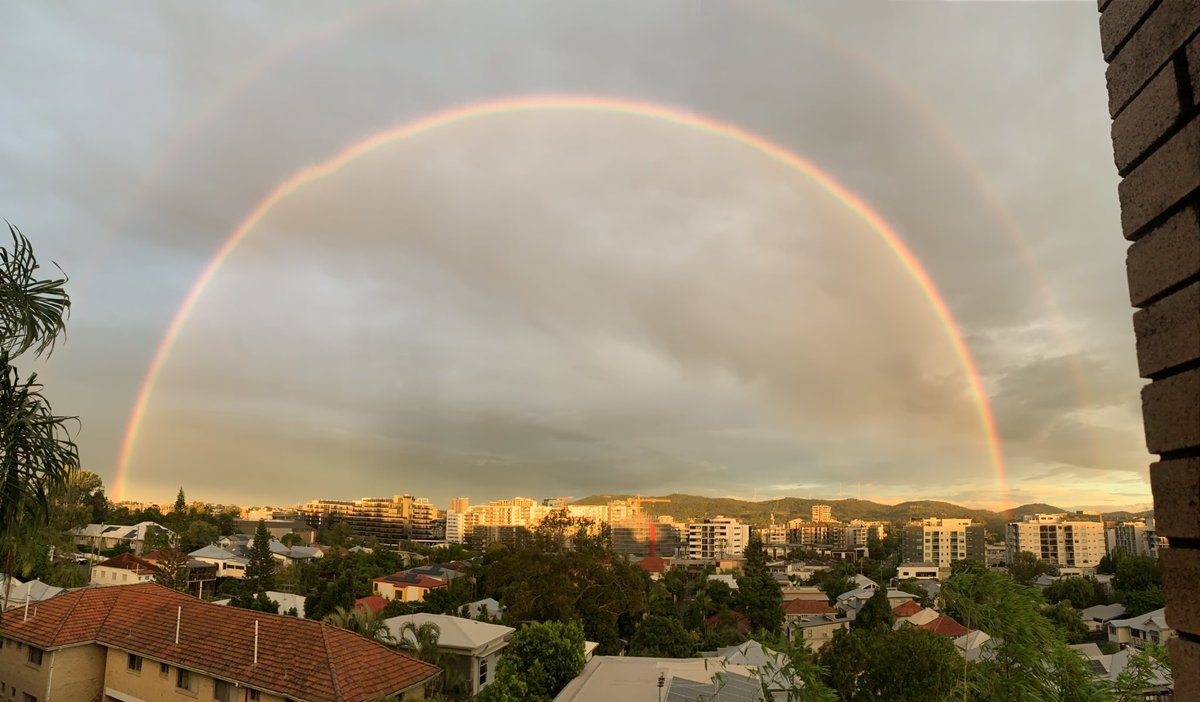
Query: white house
x,y
476,645
123,569
228,565
285,600
1137,631
138,537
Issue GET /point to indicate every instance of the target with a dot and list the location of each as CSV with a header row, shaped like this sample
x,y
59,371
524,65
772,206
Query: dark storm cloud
x,y
587,304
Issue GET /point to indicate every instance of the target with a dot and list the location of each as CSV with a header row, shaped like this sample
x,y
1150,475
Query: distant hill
x,y
691,507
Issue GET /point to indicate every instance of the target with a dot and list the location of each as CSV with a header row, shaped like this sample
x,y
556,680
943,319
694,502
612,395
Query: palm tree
x,y
421,641
37,454
363,622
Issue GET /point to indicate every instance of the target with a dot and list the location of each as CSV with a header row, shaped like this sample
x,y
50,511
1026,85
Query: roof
x,y
121,531
797,607
130,562
945,626
405,579
652,564
1150,620
296,657
906,609
216,553
33,591
453,632
607,678
863,581
1102,613
374,603
294,552
494,608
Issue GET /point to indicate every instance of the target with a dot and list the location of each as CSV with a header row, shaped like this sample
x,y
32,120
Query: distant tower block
x,y
822,513
459,505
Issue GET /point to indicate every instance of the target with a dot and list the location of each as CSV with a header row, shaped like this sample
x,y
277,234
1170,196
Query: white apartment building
x,y
822,513
719,537
1058,539
940,542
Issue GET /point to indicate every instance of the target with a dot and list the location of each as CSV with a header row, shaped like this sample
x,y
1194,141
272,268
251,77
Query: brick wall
x,y
1153,52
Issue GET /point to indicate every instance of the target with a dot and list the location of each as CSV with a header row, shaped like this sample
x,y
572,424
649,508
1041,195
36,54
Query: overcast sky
x,y
553,303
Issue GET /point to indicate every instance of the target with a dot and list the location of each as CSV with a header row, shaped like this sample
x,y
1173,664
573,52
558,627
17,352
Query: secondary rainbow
x,y
473,111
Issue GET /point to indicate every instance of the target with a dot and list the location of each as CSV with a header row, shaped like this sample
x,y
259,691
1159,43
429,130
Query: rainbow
x,y
474,111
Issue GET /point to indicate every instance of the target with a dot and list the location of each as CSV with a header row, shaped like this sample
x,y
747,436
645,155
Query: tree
x,y
197,534
421,641
37,454
759,596
1068,621
180,504
876,612
906,665
1136,573
173,569
912,587
1079,592
538,663
292,539
1139,602
362,621
1026,567
662,637
1146,668
260,571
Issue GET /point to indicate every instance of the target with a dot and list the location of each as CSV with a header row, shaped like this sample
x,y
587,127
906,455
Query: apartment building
x,y
147,642
390,520
1064,540
1136,537
717,538
940,542
822,513
644,535
458,505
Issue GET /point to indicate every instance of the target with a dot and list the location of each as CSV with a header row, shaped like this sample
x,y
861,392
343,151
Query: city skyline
x,y
581,300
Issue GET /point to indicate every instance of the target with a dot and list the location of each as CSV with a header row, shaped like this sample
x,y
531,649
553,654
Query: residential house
x,y
148,642
289,555
768,665
848,603
812,621
1097,617
123,569
974,645
14,593
405,586
287,601
1107,667
139,538
278,528
922,571
608,678
1150,627
228,564
202,575
476,646
946,626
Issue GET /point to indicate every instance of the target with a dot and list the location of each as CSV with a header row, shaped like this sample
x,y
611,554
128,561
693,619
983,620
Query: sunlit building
x,y
390,520
1058,539
940,542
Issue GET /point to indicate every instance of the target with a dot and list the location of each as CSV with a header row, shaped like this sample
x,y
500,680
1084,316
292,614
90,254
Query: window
x,y
163,669
482,673
135,663
252,695
224,691
185,680
35,655
29,698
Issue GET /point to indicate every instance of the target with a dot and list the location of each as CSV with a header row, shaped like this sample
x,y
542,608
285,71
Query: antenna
x,y
178,617
26,618
255,642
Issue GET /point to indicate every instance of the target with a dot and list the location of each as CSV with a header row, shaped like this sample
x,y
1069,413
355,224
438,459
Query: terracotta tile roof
x,y
411,580
906,609
946,627
652,564
808,607
297,658
374,603
130,562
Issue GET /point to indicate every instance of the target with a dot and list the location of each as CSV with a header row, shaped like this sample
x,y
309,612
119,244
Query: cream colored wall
x,y
151,684
76,673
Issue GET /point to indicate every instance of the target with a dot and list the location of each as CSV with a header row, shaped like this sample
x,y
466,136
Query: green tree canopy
x,y
906,665
1080,592
876,612
759,597
173,569
1026,567
538,663
260,571
662,637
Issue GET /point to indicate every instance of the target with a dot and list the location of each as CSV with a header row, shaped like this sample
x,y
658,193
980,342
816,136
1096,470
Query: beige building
x,y
822,513
147,642
1058,539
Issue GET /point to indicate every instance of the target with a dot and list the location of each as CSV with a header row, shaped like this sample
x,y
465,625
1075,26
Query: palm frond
x,y
33,312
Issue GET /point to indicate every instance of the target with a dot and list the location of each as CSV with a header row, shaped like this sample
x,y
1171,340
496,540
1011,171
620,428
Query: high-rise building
x,y
822,513
1136,537
458,505
1058,539
390,520
942,541
719,537
644,535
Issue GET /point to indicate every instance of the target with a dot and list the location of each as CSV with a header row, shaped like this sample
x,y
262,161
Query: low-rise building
x,y
476,646
148,642
1138,631
1097,617
140,537
405,586
123,569
228,565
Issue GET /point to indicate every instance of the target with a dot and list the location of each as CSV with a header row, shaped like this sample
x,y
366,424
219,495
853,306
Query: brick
x,y
1171,412
1168,332
1180,573
1149,49
1162,180
1185,668
1148,117
1176,486
1118,20
1164,257
1193,65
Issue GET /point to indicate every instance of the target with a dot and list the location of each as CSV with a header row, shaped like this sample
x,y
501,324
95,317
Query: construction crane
x,y
635,503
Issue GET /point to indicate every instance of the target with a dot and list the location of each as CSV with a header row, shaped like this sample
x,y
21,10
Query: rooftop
x,y
296,657
453,632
